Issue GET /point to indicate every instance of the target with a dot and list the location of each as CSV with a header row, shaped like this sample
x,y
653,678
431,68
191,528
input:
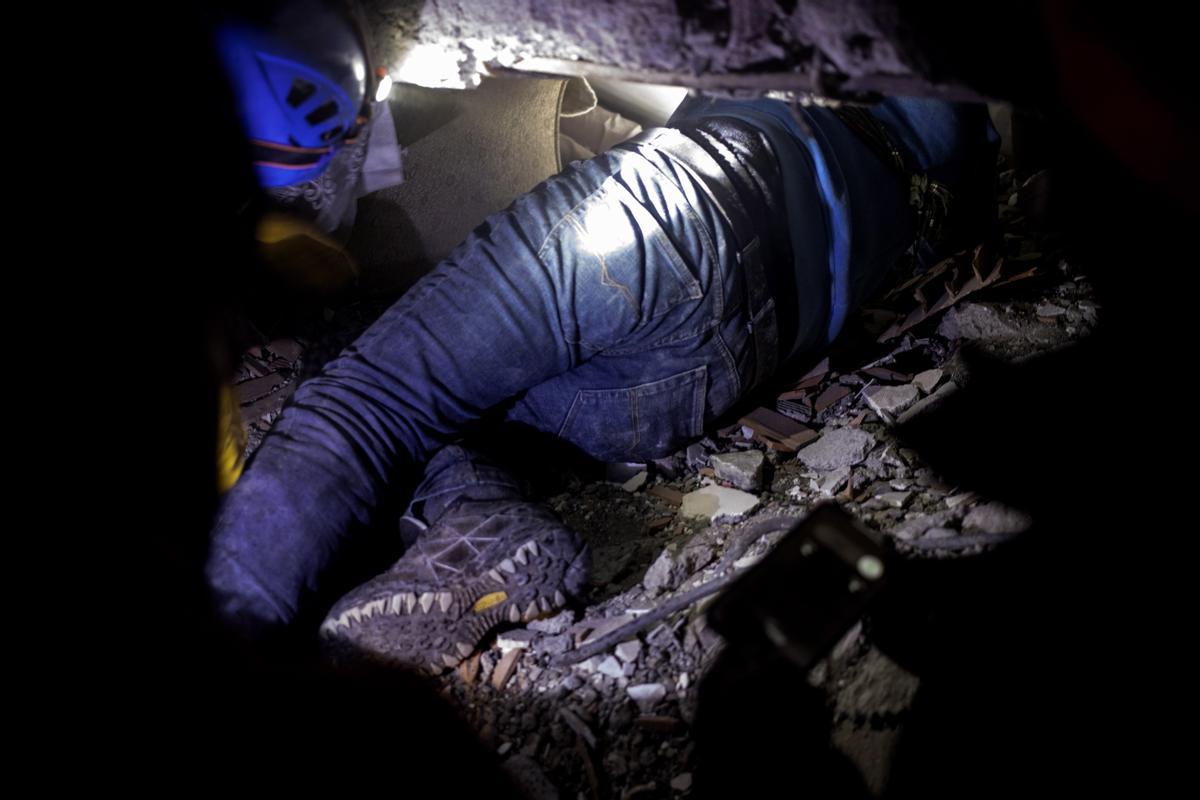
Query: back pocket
x,y
638,423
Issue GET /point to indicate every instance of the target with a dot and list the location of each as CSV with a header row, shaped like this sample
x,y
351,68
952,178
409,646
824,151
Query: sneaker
x,y
479,565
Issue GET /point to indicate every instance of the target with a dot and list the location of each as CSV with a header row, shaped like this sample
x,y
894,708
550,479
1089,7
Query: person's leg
x,y
488,556
616,258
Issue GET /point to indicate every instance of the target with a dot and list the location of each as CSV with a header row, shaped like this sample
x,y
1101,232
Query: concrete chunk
x,y
716,502
841,447
743,469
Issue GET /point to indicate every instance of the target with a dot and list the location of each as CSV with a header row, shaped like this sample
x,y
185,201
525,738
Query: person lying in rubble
x,y
623,306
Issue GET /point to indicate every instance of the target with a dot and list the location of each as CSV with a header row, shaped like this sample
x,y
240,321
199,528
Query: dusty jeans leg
x,y
617,271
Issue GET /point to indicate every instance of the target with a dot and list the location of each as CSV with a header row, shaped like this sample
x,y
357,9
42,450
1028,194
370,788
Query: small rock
x,y
894,499
888,401
912,528
744,470
611,667
747,561
841,447
553,625
928,380
505,668
515,640
832,482
662,636
1049,310
487,662
554,645
695,556
571,683
715,502
619,472
636,482
681,683
668,495
629,651
697,456
503,749
661,574
997,518
682,782
647,695
667,466
940,533
977,321
956,500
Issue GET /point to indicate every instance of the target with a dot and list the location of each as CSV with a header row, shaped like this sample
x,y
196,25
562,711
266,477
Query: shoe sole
x,y
393,620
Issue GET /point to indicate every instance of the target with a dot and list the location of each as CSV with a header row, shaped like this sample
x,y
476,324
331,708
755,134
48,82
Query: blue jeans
x,y
606,305
610,306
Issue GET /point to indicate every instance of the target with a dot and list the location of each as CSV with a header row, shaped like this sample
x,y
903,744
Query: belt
x,y
931,200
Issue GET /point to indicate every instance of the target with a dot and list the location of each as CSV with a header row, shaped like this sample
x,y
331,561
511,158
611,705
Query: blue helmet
x,y
301,81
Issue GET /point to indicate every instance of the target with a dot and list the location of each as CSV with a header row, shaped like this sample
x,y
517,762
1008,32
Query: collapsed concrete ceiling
x,y
830,48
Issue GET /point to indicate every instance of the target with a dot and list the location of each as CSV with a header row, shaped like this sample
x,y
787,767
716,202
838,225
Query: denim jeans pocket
x,y
621,273
639,422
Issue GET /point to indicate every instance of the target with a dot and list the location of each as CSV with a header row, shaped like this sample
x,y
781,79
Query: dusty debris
x,y
658,723
840,447
659,523
668,495
504,670
553,645
661,575
611,667
559,623
469,669
577,725
258,388
642,624
928,380
830,396
636,482
629,651
978,321
744,469
958,277
918,525
996,518
894,499
515,640
888,401
589,630
647,695
832,482
718,502
777,430
288,349
886,375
